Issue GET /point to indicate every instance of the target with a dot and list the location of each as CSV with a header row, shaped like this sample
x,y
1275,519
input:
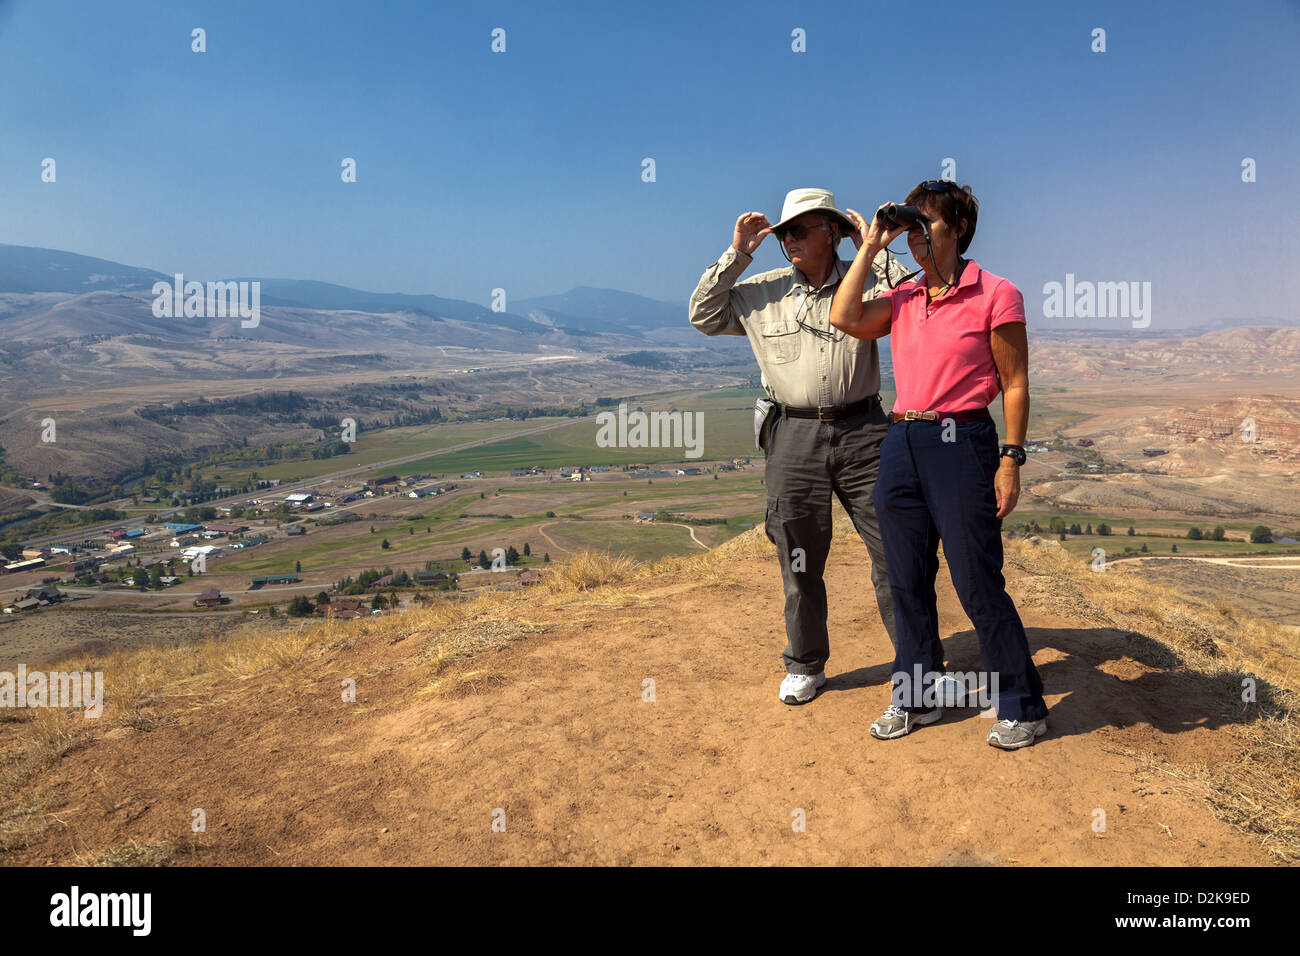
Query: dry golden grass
x,y
467,638
135,853
465,683
589,570
47,736
23,823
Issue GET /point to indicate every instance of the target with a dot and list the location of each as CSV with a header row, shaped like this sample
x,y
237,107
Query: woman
x,y
958,338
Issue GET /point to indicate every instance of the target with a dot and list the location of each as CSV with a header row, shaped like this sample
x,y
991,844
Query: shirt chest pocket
x,y
781,340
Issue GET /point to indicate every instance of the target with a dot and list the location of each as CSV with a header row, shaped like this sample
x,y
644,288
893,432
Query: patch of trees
x,y
340,519
367,578
645,359
687,519
49,522
512,556
65,491
329,449
260,403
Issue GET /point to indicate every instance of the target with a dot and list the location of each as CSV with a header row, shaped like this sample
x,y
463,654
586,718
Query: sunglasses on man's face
x,y
798,230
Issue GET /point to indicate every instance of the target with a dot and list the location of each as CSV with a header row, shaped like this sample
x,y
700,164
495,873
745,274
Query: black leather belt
x,y
831,413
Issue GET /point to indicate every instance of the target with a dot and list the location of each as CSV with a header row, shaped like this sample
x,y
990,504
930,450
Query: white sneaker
x,y
801,688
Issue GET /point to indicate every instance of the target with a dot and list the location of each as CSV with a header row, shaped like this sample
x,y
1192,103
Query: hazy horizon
x,y
478,170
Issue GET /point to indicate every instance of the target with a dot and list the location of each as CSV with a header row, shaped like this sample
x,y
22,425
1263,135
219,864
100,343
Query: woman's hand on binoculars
x,y
751,229
877,233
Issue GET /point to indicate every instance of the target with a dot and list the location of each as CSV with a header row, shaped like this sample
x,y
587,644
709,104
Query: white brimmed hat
x,y
800,201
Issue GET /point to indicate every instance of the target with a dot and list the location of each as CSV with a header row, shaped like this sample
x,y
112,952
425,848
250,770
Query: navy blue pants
x,y
930,490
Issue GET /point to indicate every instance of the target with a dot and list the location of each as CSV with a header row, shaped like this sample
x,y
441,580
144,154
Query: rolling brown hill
x,y
536,703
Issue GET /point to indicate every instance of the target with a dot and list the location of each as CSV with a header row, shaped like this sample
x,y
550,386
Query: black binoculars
x,y
900,215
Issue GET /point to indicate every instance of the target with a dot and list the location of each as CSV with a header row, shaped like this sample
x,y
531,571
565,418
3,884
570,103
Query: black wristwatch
x,y
1014,452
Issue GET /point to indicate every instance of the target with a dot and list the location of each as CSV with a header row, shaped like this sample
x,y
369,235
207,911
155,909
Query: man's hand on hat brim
x,y
751,229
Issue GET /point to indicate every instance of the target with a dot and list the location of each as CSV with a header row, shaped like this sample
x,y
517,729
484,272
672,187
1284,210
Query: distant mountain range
x,y
28,271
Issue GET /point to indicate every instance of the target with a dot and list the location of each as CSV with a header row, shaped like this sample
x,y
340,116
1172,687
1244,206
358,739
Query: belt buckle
x,y
911,415
822,418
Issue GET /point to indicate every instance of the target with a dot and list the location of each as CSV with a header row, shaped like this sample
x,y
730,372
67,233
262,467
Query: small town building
x,y
274,579
45,594
343,608
433,578
209,597
31,565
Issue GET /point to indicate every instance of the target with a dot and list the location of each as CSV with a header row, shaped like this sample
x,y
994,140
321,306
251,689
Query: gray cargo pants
x,y
807,460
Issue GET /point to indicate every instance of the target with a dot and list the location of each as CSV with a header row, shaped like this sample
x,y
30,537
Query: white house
x,y
208,550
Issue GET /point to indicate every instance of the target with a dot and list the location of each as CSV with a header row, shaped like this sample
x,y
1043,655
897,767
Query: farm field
x,y
380,445
728,432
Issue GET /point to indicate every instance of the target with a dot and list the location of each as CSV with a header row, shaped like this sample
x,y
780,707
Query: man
x,y
827,425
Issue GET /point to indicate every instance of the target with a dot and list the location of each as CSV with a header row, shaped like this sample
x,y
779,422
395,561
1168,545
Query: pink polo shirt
x,y
942,358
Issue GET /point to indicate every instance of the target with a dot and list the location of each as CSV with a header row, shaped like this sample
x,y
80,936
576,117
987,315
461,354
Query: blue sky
x,y
522,170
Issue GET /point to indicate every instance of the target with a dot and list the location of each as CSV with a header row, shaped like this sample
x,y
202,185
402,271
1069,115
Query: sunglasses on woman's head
x,y
937,185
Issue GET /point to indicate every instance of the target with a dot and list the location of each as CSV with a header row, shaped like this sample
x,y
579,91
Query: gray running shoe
x,y
895,722
1014,734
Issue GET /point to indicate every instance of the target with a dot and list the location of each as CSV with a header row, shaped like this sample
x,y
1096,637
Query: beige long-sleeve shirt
x,y
799,367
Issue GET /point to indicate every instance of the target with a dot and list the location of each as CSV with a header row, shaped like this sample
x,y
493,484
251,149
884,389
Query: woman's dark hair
x,y
953,203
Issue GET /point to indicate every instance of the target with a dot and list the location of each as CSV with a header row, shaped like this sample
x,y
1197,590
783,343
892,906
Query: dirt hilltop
x,y
626,714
